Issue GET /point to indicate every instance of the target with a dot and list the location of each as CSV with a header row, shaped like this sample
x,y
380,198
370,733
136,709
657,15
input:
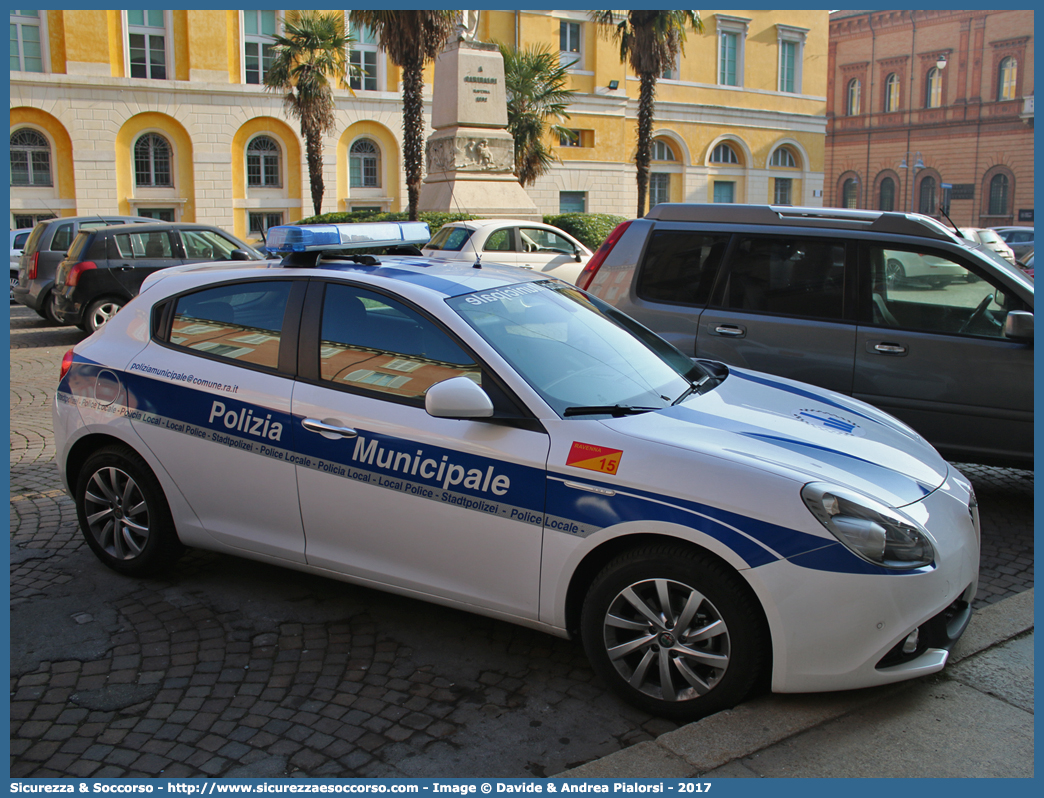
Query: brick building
x,y
922,99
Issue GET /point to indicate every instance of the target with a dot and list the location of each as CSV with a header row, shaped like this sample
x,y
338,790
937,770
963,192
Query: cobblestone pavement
x,y
226,667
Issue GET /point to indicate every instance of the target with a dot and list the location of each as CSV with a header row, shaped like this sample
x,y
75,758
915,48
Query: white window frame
x,y
258,212
777,184
655,190
659,148
853,97
279,162
893,93
379,170
732,149
40,23
29,160
375,48
788,153
152,170
573,60
168,43
1007,78
739,27
795,36
933,88
260,39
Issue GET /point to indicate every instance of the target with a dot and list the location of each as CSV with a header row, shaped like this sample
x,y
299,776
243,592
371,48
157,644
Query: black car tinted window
x,y
790,276
62,238
144,245
78,244
241,322
680,266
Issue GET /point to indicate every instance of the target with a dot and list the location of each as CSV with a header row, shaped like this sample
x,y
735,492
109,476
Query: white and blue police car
x,y
490,439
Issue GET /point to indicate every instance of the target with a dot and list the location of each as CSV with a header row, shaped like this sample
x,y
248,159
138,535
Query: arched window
x,y
263,163
886,201
723,153
152,161
933,88
892,93
999,195
927,196
854,87
1006,78
30,158
850,193
784,158
661,151
364,160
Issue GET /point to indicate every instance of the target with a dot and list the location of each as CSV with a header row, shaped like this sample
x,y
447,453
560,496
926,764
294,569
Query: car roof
x,y
479,224
95,217
155,227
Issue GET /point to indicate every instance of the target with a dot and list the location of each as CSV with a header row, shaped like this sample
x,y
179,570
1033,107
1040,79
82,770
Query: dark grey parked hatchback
x,y
105,267
806,293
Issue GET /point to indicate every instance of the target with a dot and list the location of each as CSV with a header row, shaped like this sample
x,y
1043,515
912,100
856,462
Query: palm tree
x,y
535,82
411,39
650,42
311,51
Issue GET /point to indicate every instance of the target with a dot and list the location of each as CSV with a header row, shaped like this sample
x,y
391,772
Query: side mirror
x,y
1019,325
457,397
577,256
239,254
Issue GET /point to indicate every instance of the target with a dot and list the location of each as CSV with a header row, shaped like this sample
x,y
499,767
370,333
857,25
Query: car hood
x,y
789,426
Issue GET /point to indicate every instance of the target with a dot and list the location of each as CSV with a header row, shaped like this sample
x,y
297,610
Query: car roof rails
x,y
908,224
292,240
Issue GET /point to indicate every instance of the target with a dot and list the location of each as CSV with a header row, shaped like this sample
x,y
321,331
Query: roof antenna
x,y
956,229
478,262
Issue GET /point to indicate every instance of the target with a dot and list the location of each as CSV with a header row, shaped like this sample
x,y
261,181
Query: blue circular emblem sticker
x,y
830,422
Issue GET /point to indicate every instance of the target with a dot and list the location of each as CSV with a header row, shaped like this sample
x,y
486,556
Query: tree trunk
x,y
412,130
643,154
314,148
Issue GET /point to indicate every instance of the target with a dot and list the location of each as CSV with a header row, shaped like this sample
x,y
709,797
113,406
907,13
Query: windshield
x,y
577,352
450,239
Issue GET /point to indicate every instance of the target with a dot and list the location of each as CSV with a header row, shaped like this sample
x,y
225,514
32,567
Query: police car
x,y
489,439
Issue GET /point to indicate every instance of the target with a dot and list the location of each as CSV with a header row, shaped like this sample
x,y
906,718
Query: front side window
x,y
26,48
259,30
569,43
927,196
999,195
892,93
802,277
887,201
207,245
372,342
30,158
364,160
723,153
579,354
152,161
263,163
146,44
1006,78
241,322
967,304
933,88
537,239
659,188
363,59
853,98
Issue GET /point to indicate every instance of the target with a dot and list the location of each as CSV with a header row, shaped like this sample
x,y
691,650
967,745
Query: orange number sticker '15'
x,y
594,458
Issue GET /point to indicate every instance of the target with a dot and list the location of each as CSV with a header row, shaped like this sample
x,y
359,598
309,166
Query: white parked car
x,y
530,245
991,240
500,442
902,267
18,239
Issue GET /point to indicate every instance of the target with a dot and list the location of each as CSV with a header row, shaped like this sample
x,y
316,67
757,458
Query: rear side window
x,y
78,245
680,266
143,245
63,237
20,240
450,239
241,322
34,239
790,276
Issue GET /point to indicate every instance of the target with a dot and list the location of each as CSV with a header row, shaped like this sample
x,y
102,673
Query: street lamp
x,y
917,167
941,63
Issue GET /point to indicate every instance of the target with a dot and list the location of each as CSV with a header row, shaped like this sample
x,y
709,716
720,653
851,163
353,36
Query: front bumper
x,y
841,631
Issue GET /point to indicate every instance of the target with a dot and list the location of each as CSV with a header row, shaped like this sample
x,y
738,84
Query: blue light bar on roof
x,y
335,237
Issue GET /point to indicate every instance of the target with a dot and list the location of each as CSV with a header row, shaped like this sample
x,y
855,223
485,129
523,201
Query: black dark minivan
x,y
105,268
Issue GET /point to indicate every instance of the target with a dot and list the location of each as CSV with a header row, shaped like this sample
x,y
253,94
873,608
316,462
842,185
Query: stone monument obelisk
x,y
470,156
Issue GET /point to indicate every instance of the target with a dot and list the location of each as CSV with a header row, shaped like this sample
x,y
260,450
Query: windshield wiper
x,y
694,388
607,410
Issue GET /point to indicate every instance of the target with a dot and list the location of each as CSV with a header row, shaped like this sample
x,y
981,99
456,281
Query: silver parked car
x,y
805,293
1020,239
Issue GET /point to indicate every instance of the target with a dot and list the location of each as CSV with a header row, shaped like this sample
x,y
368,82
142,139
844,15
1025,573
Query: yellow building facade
x,y
163,113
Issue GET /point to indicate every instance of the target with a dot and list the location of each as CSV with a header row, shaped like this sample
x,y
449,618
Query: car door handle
x,y
731,330
328,428
890,349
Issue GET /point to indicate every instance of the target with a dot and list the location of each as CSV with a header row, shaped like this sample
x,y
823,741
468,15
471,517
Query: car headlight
x,y
872,530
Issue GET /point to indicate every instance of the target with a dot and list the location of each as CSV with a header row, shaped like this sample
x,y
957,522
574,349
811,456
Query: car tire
x,y
99,312
630,618
123,514
894,273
